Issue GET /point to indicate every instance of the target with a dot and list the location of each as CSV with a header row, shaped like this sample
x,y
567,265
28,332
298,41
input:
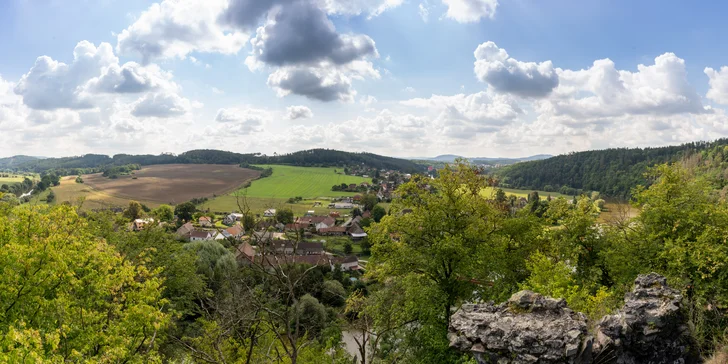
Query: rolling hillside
x,y
306,158
613,172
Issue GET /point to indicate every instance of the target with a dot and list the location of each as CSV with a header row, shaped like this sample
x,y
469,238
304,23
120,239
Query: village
x,y
336,239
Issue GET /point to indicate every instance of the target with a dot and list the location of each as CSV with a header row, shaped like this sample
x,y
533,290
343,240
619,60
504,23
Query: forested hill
x,y
613,172
313,157
12,162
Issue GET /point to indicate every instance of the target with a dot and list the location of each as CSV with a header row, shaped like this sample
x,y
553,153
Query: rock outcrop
x,y
531,328
650,327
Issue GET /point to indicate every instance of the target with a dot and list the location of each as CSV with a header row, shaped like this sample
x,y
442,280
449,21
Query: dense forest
x,y
80,286
613,172
91,163
12,162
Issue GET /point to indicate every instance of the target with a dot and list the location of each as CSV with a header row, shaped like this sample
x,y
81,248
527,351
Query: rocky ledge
x,y
530,328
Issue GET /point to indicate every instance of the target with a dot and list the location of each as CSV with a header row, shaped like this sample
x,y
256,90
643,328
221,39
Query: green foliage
x,y
378,212
368,201
333,293
134,210
213,261
444,247
284,216
79,179
348,248
185,210
51,197
69,296
311,315
555,279
613,172
164,213
679,233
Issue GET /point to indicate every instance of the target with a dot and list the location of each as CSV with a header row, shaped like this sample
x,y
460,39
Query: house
x,y
200,235
289,247
296,227
235,232
332,231
140,224
357,198
247,254
312,221
356,232
185,230
326,223
232,218
269,213
263,236
352,186
348,263
205,221
219,236
335,214
366,215
342,205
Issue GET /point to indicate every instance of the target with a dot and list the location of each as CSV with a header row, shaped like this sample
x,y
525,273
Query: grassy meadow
x,y
311,183
490,191
307,182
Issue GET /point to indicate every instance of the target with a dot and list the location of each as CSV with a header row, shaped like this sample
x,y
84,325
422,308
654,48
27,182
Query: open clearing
x,y
490,191
311,183
307,182
173,183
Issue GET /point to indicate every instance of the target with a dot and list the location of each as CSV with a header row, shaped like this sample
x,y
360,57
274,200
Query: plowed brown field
x,y
173,183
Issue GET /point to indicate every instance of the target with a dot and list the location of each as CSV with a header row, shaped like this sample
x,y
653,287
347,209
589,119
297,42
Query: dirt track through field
x,y
173,183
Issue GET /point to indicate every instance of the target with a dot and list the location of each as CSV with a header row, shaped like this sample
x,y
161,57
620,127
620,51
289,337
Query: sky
x,y
404,78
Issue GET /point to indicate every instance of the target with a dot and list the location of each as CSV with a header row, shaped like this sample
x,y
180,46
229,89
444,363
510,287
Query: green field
x,y
14,178
524,193
307,182
311,183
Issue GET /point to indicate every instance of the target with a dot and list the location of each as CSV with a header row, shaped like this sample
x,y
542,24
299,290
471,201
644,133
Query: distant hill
x,y
313,157
449,158
12,162
613,172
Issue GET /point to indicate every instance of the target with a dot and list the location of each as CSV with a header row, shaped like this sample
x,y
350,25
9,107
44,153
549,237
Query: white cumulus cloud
x,y
299,112
469,11
718,81
176,28
495,67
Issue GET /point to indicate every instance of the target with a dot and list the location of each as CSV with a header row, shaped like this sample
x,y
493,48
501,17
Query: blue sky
x,y
395,77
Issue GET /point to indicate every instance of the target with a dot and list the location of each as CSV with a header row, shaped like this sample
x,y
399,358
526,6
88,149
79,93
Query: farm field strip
x,y
307,182
173,183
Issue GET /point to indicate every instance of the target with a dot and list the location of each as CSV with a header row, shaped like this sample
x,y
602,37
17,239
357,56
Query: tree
x,y
378,212
79,179
356,212
164,213
185,210
500,196
10,199
680,232
51,197
134,210
348,248
284,216
448,236
310,315
368,200
333,294
57,271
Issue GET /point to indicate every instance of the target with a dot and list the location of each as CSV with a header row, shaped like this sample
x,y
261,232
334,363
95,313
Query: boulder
x,y
530,328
